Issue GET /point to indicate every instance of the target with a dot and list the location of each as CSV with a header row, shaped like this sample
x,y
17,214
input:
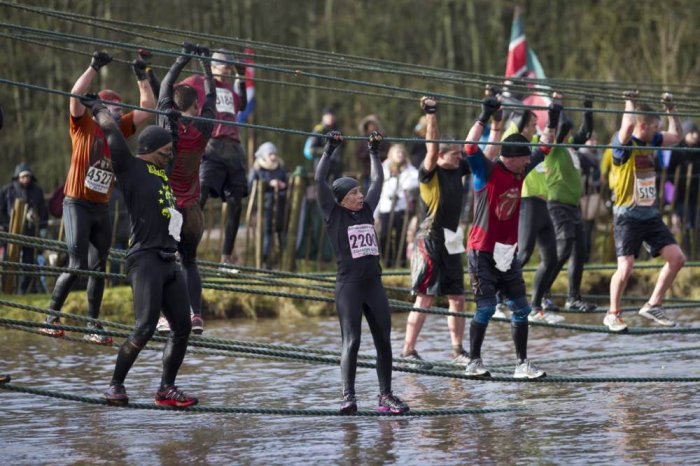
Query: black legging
x,y
191,235
572,249
88,236
352,299
233,217
157,285
535,226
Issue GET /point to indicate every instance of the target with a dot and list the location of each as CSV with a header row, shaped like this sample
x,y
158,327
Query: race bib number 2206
x,y
363,241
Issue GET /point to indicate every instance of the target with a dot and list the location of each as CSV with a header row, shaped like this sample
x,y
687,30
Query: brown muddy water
x,y
575,423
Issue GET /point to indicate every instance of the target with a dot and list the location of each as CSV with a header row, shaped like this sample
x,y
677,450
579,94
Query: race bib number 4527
x,y
98,180
363,241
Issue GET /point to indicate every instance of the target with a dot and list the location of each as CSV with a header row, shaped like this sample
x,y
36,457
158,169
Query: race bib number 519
x,y
363,241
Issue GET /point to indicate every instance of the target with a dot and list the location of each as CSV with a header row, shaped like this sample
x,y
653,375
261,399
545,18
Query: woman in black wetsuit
x,y
350,222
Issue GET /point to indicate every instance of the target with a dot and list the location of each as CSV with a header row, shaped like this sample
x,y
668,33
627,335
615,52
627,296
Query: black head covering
x,y
342,186
153,138
515,151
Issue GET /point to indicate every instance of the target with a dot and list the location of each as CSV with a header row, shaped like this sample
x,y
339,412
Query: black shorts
x,y
486,279
566,220
631,233
434,272
223,169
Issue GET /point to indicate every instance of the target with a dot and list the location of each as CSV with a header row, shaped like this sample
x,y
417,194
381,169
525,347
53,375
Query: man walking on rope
x,y
156,278
493,237
192,137
88,188
635,208
350,221
223,170
436,264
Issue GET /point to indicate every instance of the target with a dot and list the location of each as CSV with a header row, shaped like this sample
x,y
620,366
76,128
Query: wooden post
x,y
260,212
17,219
248,216
298,188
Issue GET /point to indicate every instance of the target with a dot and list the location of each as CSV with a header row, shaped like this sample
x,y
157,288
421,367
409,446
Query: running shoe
x,y
548,305
392,404
476,368
416,361
527,370
657,313
502,310
51,331
461,358
97,338
539,315
615,322
163,325
197,324
349,404
5,378
173,396
116,395
579,304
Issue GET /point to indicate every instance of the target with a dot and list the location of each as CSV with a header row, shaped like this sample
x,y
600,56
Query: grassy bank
x,y
117,303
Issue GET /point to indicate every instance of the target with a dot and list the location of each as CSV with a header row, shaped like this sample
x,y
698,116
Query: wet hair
x,y
184,97
524,120
445,147
645,118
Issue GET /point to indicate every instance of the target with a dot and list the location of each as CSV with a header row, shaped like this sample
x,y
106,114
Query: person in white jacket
x,y
400,179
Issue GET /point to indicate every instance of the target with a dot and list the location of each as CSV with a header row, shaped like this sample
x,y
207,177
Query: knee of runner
x,y
521,309
484,313
142,334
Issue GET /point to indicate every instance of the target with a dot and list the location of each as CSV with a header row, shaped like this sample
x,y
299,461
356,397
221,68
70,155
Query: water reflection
x,y
601,423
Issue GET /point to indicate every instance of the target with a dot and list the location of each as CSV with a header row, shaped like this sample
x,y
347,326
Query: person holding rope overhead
x,y
87,191
349,219
152,270
436,262
635,208
192,138
493,240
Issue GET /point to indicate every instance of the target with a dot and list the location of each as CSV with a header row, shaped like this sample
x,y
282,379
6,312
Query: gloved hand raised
x,y
428,105
375,139
553,113
92,102
489,106
100,59
333,140
139,67
668,102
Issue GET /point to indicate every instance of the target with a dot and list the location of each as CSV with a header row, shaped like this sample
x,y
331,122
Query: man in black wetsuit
x,y
350,221
156,279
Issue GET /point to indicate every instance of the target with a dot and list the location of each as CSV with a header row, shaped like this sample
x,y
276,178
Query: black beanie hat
x,y
153,138
515,151
342,186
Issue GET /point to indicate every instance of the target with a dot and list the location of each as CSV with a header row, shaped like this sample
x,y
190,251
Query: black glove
x,y
92,102
588,101
100,59
428,105
333,140
489,106
188,49
553,112
203,50
375,138
139,67
563,128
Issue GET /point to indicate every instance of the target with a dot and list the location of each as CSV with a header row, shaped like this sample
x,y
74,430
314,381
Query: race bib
x,y
503,255
454,240
98,180
175,224
645,191
363,241
224,101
